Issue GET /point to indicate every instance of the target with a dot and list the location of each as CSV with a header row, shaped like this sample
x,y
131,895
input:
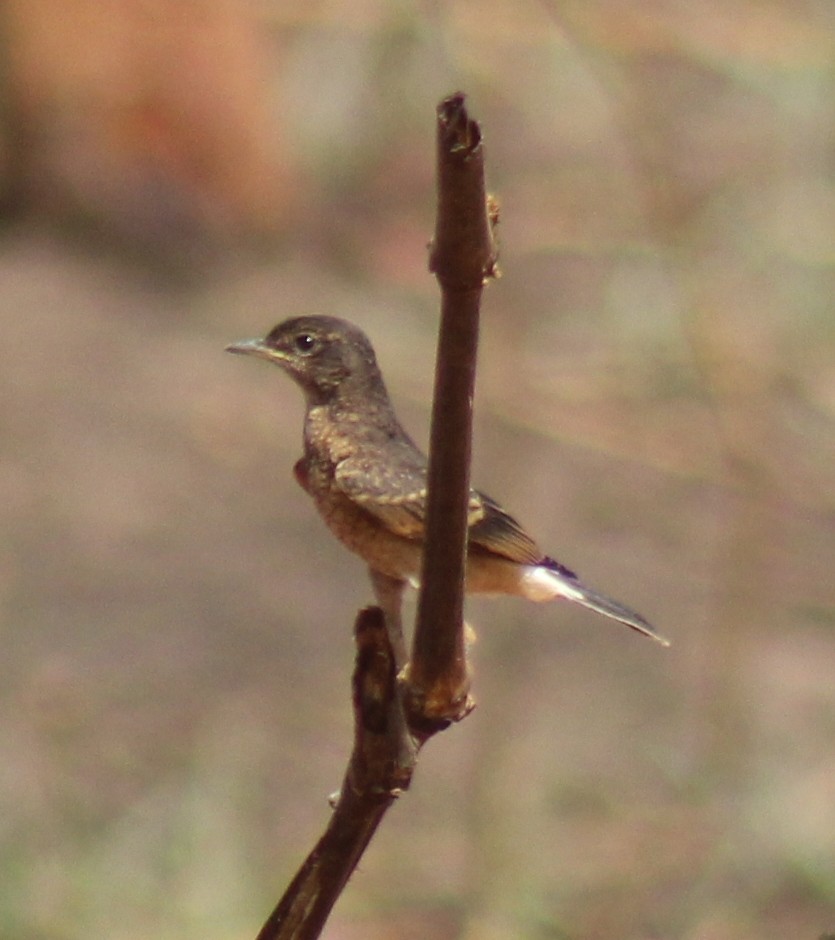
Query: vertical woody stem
x,y
463,256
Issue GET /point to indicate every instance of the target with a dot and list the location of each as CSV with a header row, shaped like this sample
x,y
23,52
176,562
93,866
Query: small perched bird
x,y
368,479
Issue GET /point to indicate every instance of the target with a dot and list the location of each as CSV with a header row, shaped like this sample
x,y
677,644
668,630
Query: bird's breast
x,y
366,536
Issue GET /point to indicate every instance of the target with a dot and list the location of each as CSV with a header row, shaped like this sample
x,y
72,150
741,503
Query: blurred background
x,y
656,400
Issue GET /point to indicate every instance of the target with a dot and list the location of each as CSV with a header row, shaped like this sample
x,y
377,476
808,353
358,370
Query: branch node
x,y
463,252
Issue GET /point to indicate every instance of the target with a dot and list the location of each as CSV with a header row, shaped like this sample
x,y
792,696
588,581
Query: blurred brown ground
x,y
656,400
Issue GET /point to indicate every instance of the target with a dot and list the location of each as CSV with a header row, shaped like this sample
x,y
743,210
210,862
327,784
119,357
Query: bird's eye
x,y
304,342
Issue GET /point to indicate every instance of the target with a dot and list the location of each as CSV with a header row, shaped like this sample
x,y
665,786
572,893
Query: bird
x,y
368,479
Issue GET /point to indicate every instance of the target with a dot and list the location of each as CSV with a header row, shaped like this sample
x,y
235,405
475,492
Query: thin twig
x,y
380,767
463,256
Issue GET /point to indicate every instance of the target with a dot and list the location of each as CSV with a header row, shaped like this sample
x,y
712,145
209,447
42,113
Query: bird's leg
x,y
389,594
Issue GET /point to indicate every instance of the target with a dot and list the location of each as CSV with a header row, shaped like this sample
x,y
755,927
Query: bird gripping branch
x,y
368,478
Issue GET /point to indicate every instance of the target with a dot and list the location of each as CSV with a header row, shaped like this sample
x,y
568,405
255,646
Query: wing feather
x,y
498,532
395,493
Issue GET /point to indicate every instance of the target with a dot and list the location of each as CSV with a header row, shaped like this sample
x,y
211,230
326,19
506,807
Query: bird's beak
x,y
254,347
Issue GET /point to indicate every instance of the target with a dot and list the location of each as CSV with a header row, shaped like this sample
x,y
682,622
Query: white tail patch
x,y
543,584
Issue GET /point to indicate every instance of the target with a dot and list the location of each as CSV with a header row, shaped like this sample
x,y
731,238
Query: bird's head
x,y
326,356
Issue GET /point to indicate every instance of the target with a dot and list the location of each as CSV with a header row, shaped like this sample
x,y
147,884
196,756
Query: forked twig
x,y
394,716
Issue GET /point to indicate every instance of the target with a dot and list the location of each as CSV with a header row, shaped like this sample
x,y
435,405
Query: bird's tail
x,y
550,580
610,608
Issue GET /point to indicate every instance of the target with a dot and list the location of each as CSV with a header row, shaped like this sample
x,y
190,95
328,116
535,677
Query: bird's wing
x,y
394,491
498,532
